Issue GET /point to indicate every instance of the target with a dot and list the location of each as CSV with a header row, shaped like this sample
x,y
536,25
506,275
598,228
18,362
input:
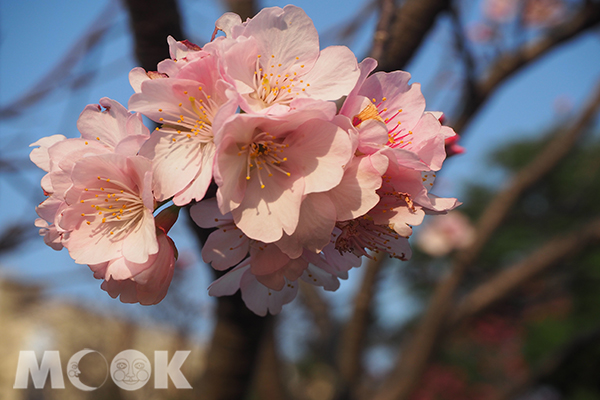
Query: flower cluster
x,y
304,187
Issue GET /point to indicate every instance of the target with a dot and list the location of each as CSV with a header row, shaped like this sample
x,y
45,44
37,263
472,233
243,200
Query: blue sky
x,y
36,35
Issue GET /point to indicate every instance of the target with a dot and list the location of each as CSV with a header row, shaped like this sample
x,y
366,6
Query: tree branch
x,y
410,25
152,21
63,70
381,35
505,66
232,357
548,255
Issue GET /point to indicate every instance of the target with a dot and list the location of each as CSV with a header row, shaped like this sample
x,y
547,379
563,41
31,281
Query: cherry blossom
x,y
259,295
301,190
183,148
265,165
446,233
105,128
109,213
145,283
274,58
390,113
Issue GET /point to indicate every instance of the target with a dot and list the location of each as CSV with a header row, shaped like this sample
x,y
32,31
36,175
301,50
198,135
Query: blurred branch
x,y
382,31
319,308
244,8
13,236
354,334
152,21
508,64
232,357
509,279
268,378
416,354
408,26
461,43
63,70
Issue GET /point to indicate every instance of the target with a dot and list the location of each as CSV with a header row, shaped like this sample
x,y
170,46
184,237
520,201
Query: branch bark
x,y
244,8
410,24
413,362
233,353
152,21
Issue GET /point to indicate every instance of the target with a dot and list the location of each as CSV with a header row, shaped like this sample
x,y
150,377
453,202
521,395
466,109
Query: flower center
x,y
264,156
369,112
274,83
397,137
194,120
116,208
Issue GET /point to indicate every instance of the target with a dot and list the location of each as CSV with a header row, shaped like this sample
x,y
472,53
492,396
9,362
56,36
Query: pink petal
x,y
316,221
39,156
229,283
334,75
108,125
225,247
355,195
320,150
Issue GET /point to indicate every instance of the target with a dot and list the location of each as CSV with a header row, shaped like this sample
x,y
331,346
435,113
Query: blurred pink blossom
x,y
445,233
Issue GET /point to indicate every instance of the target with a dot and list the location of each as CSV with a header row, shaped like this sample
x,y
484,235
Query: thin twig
x,y
319,309
56,77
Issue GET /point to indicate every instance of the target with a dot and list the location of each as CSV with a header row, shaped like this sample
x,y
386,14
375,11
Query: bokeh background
x,y
500,300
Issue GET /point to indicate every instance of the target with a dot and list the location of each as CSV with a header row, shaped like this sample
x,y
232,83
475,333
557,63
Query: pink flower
x,y
267,277
257,297
260,297
274,58
354,196
390,114
146,283
109,213
227,246
361,234
110,130
445,233
181,53
188,108
265,166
